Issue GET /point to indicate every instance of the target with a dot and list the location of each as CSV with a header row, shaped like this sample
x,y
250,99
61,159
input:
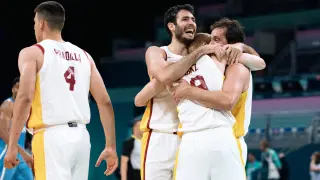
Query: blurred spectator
x,y
270,162
315,166
253,166
130,158
28,142
284,171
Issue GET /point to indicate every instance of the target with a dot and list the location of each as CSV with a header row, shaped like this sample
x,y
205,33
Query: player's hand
x,y
111,158
233,52
216,49
180,91
27,158
10,160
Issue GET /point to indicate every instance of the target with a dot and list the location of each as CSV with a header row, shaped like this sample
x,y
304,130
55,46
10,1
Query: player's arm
x,y
253,62
167,73
27,63
124,167
150,90
5,117
236,76
102,98
250,50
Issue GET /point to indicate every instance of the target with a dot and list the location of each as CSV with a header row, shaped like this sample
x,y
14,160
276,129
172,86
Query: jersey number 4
x,y
69,76
198,81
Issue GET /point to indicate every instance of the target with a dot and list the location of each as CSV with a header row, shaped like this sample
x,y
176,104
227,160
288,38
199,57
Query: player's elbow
x,y
106,102
24,98
162,76
228,105
138,102
262,64
165,79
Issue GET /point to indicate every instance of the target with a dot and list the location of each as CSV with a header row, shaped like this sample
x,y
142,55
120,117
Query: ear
x,y
41,24
171,26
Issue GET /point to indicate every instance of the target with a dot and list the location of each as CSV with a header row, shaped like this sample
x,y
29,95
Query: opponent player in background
x,y
55,79
160,120
23,169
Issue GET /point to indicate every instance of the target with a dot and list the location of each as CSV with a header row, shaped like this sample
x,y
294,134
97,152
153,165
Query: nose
x,y
191,22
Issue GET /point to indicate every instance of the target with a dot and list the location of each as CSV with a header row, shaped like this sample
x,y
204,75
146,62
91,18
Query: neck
x,y
177,47
55,35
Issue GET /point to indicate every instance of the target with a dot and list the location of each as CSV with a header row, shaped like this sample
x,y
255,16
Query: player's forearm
x,y
252,62
218,100
250,50
124,170
150,90
175,71
107,120
21,112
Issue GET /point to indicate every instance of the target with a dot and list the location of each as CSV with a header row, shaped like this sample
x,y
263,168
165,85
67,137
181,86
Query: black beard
x,y
179,34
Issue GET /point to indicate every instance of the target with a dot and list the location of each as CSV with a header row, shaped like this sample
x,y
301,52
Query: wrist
x,y
110,147
201,51
189,93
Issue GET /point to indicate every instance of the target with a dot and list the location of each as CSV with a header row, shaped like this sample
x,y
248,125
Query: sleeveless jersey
x,y
194,117
161,113
22,137
242,112
62,86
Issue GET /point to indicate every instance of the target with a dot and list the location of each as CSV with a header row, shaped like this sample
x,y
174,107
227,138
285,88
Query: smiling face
x,y
185,27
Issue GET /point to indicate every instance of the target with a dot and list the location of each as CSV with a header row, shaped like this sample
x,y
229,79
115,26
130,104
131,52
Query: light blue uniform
x,y
22,171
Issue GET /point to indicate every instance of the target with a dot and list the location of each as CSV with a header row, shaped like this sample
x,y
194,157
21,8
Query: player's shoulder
x,y
205,57
33,50
153,50
7,103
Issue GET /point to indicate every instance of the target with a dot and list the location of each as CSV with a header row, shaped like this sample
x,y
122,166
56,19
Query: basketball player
x,y
200,39
237,87
55,80
160,120
22,171
208,148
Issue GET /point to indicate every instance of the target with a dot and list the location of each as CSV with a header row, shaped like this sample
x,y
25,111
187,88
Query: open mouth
x,y
190,31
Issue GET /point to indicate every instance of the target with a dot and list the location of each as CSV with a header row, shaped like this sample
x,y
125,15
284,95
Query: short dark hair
x,y
171,15
52,12
15,81
234,30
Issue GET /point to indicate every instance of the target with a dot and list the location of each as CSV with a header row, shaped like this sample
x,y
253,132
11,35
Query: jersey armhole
x,y
40,47
166,55
43,51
